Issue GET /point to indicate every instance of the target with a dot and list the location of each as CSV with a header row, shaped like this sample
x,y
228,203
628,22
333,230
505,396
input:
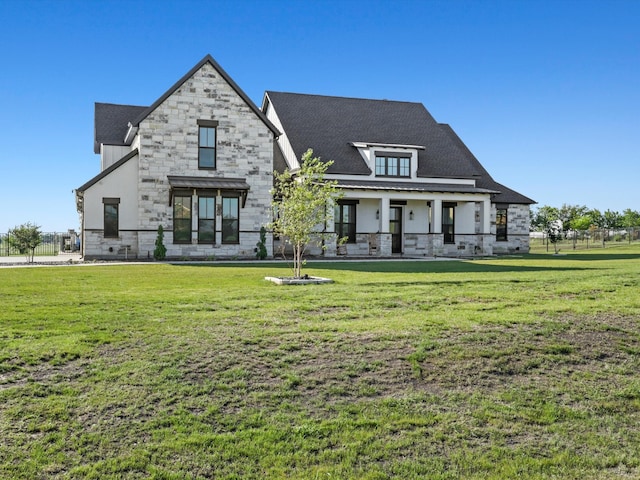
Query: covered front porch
x,y
384,224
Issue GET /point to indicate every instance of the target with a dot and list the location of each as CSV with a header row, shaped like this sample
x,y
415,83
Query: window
x,y
393,166
182,218
207,143
230,220
111,214
345,220
448,222
206,219
501,224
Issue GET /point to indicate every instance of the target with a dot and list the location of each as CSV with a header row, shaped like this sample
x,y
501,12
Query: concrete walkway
x,y
39,261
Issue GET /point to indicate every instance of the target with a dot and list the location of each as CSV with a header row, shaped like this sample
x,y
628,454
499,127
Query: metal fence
x,y
53,243
582,240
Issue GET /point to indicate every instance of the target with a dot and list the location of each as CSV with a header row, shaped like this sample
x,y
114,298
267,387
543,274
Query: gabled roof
x,y
112,121
505,195
329,126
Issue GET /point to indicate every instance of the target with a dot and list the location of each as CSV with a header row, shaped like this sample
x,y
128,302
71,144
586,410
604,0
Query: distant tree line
x,y
581,218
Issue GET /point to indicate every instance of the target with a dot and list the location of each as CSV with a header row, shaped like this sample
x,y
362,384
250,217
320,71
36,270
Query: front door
x,y
395,228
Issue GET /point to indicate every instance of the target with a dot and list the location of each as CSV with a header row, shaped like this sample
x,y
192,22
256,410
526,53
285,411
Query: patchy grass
x,y
499,368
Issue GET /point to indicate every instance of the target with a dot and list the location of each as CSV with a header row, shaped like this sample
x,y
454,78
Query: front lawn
x,y
515,367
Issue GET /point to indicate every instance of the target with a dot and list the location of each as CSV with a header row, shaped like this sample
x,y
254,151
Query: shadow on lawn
x,y
460,266
596,256
525,263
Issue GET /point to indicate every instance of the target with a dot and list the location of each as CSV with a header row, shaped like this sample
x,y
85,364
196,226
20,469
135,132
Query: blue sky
x,y
546,94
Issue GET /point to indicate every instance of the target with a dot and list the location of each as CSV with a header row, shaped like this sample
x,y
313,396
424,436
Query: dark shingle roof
x,y
112,123
506,195
328,125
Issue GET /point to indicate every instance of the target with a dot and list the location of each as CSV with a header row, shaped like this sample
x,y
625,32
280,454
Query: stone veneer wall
x,y
169,146
517,230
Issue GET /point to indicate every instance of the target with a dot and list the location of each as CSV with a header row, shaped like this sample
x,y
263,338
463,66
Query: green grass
x,y
515,367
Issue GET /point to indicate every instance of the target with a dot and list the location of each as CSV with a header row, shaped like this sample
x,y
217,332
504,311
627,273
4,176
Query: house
x,y
410,184
198,162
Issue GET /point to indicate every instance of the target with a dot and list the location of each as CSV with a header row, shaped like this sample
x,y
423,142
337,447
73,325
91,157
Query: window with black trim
x,y
501,224
230,220
207,133
345,220
181,218
111,217
393,166
206,219
448,222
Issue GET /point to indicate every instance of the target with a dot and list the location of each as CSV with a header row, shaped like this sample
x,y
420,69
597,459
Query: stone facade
x,y
167,142
169,146
518,222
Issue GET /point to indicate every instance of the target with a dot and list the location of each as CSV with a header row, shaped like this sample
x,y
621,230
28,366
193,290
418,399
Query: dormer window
x,y
393,164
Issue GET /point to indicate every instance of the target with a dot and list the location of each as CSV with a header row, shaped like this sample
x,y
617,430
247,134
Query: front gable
x,y
203,141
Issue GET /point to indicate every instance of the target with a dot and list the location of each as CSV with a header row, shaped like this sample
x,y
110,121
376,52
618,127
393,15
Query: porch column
x,y
384,215
331,241
195,211
436,216
486,217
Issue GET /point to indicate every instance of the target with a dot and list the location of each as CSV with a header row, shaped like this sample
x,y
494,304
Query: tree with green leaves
x,y
568,213
631,218
302,206
547,219
631,221
26,239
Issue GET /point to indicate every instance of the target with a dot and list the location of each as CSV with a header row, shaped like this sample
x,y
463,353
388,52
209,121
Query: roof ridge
x,y
121,104
340,97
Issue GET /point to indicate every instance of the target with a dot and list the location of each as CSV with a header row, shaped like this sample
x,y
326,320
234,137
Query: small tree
x,y
261,247
301,206
25,239
160,251
554,233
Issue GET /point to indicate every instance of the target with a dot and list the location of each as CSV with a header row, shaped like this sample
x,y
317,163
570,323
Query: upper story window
x,y
393,165
207,134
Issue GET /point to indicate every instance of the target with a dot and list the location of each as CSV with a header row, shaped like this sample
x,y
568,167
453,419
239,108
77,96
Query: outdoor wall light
x,y
377,214
411,215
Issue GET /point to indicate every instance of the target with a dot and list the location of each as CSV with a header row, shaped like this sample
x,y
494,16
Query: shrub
x,y
160,251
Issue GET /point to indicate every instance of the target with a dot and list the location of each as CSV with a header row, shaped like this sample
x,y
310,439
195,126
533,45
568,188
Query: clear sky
x,y
545,93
